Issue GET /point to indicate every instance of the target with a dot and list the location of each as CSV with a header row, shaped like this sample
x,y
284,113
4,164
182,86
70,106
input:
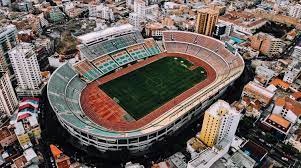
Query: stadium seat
x,y
151,47
137,52
121,57
105,64
87,70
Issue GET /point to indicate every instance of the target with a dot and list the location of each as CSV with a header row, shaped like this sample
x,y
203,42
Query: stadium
x,y
128,92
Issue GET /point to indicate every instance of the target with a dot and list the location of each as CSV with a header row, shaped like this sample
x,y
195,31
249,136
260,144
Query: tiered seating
x,y
184,37
192,49
151,46
72,94
87,70
123,41
170,46
75,86
105,64
181,47
215,60
137,52
57,85
121,57
167,36
110,45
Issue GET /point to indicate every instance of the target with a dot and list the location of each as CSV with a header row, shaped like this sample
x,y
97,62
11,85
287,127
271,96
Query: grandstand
x,y
122,57
151,46
102,119
105,64
137,52
87,70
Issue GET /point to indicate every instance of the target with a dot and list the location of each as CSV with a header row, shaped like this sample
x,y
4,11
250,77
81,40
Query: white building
x,y
288,108
292,72
207,157
7,41
6,3
134,20
295,11
8,99
139,8
297,53
27,70
101,11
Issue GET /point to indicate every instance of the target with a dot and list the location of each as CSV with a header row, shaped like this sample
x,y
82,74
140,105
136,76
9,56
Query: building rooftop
x,y
279,120
260,90
279,82
104,33
4,133
220,108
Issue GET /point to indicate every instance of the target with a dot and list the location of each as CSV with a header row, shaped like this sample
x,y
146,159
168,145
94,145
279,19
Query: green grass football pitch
x,y
147,88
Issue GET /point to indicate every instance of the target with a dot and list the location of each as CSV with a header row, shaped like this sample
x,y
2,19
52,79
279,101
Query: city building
x,y
61,160
138,16
220,121
210,155
241,22
206,21
55,15
8,99
266,44
27,70
278,123
8,41
27,129
256,92
154,30
297,53
139,8
29,158
295,11
24,6
7,136
293,70
288,108
100,11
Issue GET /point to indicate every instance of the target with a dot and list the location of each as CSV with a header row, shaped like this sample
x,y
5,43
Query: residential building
x,y
266,44
27,129
220,121
101,11
29,158
139,8
134,20
293,72
8,40
56,15
288,108
257,92
8,99
242,22
295,11
61,160
154,30
7,136
278,123
6,3
210,155
27,70
206,21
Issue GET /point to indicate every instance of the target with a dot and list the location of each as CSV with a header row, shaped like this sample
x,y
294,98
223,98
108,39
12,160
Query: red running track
x,y
104,111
